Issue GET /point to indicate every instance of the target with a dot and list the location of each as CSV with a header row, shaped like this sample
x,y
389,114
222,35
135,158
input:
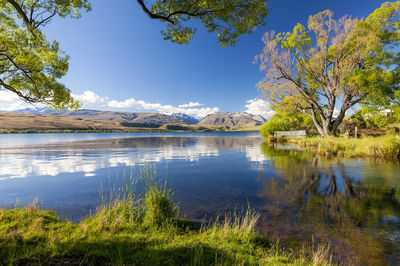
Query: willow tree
x,y
330,66
30,65
228,18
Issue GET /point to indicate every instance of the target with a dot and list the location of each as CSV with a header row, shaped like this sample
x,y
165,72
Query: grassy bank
x,y
130,231
387,147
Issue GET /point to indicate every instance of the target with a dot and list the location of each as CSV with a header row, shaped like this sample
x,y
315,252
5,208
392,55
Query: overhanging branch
x,y
198,12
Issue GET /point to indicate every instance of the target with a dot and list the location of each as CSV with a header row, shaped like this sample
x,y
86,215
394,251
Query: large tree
x,y
30,65
332,65
228,18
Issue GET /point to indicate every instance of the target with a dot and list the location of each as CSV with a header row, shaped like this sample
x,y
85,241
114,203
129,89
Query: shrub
x,y
285,120
275,124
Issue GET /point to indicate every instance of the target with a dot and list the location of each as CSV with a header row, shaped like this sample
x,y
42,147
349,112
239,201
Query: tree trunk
x,y
328,126
313,115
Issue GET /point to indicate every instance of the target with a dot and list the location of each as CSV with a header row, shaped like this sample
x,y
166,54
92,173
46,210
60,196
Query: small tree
x,y
273,125
333,63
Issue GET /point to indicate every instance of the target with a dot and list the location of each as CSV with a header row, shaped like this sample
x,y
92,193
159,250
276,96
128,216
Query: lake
x,y
354,204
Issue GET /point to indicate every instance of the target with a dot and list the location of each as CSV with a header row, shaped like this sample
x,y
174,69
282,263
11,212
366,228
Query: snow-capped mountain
x,y
185,118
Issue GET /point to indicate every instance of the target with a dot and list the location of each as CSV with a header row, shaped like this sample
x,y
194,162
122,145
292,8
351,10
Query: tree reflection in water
x,y
354,206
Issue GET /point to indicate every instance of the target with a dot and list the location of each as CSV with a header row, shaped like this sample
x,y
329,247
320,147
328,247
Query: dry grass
x,y
9,121
321,255
37,224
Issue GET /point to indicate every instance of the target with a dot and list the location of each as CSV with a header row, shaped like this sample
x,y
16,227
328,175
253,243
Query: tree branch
x,y
152,15
198,12
21,12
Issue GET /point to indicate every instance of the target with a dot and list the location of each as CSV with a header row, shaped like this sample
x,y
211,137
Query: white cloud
x,y
9,101
16,165
190,104
259,107
89,98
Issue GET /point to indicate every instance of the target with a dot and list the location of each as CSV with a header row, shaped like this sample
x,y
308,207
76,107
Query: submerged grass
x,y
139,231
387,147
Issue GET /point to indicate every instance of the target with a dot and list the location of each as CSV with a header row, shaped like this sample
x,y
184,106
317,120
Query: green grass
x,y
146,231
387,147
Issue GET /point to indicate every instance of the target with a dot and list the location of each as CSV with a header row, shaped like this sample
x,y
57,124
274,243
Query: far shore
x,y
133,130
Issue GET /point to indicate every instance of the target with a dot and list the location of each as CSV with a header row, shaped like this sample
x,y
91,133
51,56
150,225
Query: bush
x,y
284,120
275,124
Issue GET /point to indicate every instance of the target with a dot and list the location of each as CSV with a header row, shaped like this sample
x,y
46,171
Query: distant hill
x,y
126,119
20,121
185,118
232,120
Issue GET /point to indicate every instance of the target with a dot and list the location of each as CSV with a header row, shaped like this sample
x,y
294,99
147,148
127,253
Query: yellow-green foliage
x,y
273,125
380,147
33,66
283,121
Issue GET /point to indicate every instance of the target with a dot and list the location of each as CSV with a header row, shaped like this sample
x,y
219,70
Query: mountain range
x,y
154,120
231,120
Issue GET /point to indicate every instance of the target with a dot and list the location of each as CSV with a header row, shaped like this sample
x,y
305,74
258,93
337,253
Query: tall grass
x,y
158,207
120,206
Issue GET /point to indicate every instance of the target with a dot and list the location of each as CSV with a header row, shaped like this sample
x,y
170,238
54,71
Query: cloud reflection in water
x,y
90,156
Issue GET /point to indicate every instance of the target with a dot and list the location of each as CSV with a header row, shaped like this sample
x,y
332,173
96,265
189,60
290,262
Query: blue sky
x,y
118,53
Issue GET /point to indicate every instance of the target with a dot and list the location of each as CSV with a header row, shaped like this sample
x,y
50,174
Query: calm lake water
x,y
354,204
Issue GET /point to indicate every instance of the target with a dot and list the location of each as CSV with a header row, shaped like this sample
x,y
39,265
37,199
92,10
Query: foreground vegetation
x,y
135,231
387,147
